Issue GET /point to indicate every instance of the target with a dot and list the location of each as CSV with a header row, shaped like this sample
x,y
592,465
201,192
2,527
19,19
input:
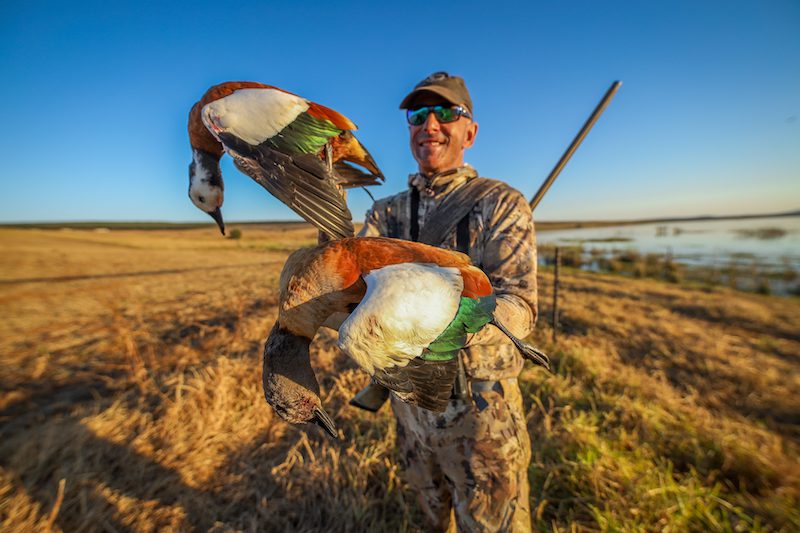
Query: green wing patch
x,y
305,135
472,315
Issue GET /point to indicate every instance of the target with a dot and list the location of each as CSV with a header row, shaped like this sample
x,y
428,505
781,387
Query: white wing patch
x,y
253,115
405,308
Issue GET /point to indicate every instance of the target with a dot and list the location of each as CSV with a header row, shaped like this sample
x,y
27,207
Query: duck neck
x,y
205,169
287,357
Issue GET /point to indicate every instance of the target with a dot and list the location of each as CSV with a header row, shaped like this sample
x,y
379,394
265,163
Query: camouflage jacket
x,y
501,242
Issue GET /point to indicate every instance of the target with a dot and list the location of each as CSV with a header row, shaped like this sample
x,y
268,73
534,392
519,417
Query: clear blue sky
x,y
96,94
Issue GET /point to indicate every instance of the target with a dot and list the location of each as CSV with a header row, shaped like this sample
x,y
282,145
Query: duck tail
x,y
528,352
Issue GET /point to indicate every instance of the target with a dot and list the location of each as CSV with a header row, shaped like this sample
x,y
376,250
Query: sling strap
x,y
413,228
462,229
451,214
462,235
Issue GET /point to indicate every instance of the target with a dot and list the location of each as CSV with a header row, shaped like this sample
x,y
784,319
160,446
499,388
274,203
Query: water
x,y
694,243
716,243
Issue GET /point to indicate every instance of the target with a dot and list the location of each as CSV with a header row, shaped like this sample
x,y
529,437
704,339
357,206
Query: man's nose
x,y
431,123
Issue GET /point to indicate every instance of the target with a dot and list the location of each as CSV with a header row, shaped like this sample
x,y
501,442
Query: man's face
x,y
440,146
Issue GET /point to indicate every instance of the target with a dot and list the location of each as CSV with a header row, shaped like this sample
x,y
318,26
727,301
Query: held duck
x,y
300,151
403,310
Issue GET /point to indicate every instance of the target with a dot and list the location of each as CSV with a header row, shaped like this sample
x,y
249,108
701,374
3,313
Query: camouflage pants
x,y
472,458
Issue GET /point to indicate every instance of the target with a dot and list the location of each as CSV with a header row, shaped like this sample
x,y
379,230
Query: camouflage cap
x,y
451,88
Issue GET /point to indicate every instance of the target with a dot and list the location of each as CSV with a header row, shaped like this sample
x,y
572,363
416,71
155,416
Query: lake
x,y
772,244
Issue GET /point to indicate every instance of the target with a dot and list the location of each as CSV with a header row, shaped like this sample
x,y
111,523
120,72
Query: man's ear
x,y
472,132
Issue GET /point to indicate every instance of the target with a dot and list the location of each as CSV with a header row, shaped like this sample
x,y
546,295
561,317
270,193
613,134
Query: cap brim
x,y
444,92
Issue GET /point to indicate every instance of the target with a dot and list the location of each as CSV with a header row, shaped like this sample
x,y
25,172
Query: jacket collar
x,y
442,182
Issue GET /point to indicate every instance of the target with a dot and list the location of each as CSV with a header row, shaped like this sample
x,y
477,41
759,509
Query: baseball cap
x,y
451,88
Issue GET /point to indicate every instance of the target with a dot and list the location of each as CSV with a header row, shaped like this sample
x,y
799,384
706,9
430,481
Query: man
x,y
474,457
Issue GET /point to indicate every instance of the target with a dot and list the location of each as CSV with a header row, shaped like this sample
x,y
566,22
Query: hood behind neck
x,y
438,182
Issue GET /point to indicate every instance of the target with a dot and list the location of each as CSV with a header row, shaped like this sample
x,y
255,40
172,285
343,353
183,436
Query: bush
x,y
629,256
572,257
763,286
236,234
673,273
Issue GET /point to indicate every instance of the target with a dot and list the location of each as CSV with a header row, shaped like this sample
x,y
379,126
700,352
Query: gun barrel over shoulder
x,y
576,142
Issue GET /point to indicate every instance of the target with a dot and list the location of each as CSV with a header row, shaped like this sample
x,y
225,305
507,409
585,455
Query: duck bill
x,y
323,420
216,214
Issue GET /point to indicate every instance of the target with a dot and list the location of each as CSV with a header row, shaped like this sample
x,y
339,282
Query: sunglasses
x,y
417,117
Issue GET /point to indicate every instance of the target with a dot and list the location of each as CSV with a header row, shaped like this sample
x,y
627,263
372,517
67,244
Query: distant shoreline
x,y
541,225
545,225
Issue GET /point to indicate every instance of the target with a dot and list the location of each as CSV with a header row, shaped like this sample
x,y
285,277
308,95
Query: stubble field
x,y
130,399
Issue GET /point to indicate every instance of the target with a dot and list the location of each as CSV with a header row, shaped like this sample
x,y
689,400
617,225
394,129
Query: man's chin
x,y
431,160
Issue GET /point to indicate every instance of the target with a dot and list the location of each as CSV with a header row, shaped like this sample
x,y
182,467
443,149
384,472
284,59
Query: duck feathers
x,y
300,151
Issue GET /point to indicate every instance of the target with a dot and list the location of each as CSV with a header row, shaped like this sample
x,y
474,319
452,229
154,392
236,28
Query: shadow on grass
x,y
285,478
253,489
94,468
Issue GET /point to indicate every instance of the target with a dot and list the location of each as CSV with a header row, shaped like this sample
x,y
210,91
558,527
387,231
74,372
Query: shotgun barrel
x,y
576,142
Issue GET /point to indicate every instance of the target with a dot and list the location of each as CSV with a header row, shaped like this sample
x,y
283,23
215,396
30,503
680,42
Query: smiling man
x,y
473,458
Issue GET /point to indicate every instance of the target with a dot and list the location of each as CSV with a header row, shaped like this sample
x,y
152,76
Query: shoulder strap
x,y
462,229
462,235
413,227
452,210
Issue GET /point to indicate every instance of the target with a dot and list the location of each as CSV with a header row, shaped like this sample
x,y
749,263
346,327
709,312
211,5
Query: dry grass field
x,y
130,399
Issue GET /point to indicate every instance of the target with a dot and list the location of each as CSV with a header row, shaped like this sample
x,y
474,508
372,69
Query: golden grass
x,y
131,399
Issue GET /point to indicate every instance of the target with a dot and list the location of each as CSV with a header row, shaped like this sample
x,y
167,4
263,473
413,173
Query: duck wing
x,y
278,139
301,182
351,176
405,309
427,384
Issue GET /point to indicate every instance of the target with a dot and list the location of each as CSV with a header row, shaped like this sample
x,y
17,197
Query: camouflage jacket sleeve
x,y
509,259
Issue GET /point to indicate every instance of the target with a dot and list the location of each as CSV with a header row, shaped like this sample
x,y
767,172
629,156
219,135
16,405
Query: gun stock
x,y
371,398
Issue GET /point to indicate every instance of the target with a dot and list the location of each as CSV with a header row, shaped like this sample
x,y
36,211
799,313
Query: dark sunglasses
x,y
417,117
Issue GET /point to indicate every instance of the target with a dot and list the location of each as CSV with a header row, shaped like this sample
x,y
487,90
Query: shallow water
x,y
702,243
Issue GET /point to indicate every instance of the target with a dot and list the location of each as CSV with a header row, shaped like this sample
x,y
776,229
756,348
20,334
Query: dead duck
x,y
298,150
403,311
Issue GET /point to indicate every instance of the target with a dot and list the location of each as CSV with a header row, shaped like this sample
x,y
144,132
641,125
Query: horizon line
x,y
795,212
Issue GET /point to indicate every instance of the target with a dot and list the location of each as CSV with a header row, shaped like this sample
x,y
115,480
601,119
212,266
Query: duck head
x,y
206,189
290,385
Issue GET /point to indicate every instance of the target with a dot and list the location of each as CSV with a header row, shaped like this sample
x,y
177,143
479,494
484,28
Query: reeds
x,y
741,272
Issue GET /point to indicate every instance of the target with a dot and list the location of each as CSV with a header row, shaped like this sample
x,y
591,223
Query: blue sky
x,y
96,95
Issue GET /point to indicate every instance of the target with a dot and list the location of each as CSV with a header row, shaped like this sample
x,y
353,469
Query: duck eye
x,y
202,199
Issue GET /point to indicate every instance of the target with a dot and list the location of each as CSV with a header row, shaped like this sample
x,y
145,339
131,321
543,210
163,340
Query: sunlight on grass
x,y
671,408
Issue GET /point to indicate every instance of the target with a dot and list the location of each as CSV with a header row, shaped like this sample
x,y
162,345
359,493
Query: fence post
x,y
555,295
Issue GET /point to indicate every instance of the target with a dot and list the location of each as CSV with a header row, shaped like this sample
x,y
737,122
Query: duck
x,y
403,310
301,152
